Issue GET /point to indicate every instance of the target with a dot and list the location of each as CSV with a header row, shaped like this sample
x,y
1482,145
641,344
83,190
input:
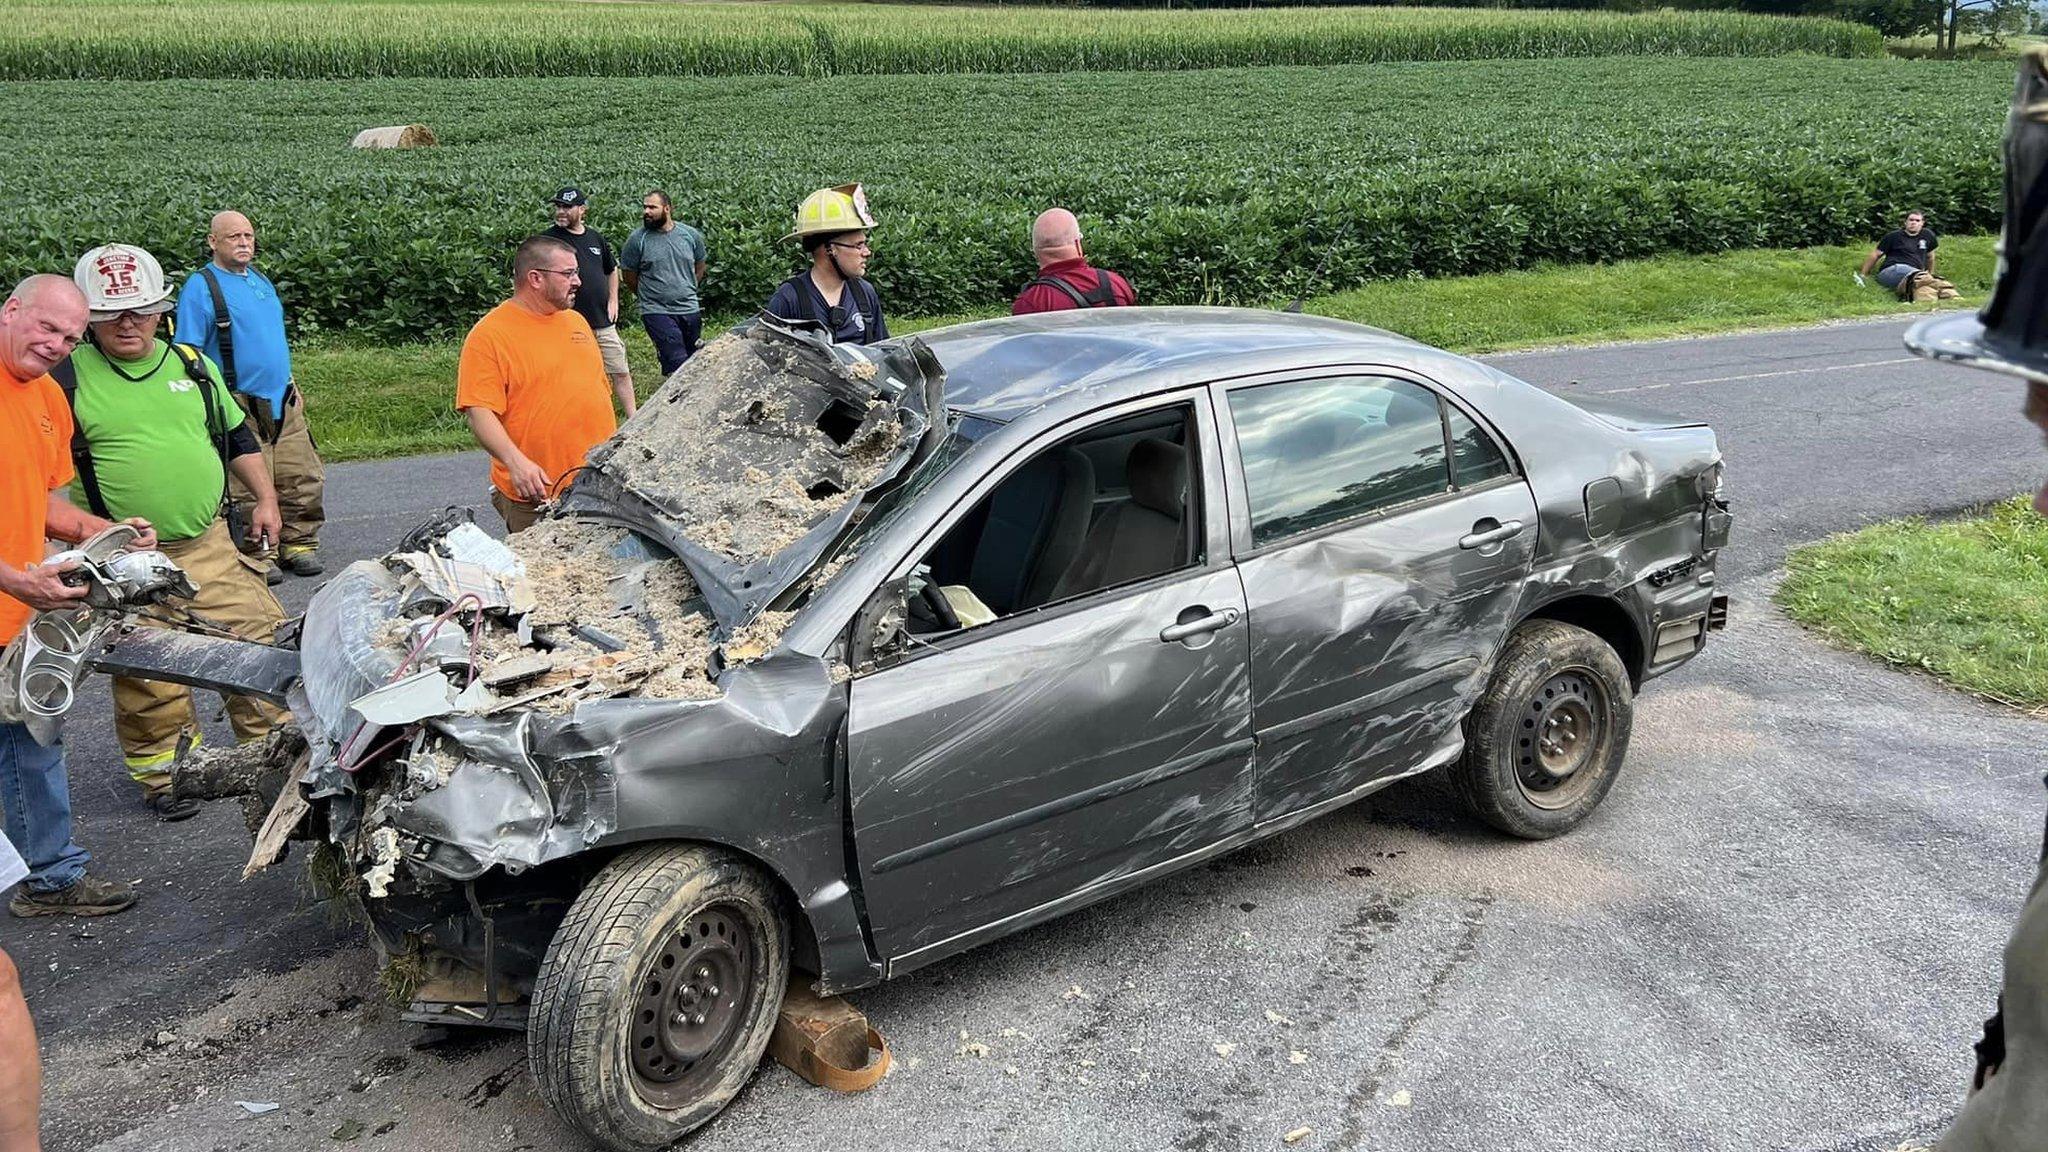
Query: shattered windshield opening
x,y
886,509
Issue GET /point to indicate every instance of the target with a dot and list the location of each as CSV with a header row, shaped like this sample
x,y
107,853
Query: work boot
x,y
171,809
273,575
86,896
305,563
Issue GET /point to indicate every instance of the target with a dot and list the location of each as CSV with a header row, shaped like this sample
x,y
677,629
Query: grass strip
x,y
371,401
1966,600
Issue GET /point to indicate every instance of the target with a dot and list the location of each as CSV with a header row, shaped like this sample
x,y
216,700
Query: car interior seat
x,y
1037,521
1143,535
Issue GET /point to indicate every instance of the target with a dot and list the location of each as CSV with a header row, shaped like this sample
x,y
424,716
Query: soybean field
x,y
1224,186
299,39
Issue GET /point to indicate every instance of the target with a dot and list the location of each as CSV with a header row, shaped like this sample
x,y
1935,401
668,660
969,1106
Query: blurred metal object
x,y
2010,335
39,673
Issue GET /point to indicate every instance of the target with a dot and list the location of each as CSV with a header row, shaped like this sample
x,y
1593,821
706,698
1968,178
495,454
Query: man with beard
x,y
531,382
597,298
664,264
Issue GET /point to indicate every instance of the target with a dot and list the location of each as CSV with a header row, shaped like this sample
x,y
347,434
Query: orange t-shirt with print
x,y
544,377
35,457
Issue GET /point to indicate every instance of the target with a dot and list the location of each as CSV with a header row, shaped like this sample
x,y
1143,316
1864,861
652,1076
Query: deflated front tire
x,y
658,994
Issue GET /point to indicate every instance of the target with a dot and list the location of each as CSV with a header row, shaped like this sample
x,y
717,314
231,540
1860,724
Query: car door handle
x,y
1175,633
1490,535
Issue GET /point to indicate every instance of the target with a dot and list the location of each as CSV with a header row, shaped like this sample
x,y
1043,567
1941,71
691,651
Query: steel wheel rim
x,y
691,1006
1561,733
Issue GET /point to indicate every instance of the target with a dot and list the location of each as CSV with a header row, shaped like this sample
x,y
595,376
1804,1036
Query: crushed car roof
x,y
1000,369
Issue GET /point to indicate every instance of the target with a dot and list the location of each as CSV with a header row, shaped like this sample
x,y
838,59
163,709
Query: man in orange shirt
x,y
40,323
532,384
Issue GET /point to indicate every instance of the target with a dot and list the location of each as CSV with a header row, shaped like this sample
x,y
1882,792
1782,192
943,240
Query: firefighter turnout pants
x,y
295,470
2010,1112
150,716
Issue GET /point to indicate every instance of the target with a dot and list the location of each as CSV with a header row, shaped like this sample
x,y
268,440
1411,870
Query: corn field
x,y
238,39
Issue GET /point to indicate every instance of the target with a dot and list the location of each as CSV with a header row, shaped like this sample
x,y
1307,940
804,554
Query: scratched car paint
x,y
1108,593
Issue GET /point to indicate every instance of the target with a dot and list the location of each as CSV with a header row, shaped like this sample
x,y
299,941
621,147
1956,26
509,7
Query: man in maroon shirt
x,y
1065,279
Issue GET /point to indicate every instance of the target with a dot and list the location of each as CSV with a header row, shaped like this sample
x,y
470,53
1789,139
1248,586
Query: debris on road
x,y
1225,1049
1298,1135
256,1107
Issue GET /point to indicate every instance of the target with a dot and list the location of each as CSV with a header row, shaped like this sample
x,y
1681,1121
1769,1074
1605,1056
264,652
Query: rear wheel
x,y
1544,744
658,994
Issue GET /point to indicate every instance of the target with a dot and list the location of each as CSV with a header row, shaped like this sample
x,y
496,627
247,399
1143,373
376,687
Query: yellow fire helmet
x,y
832,210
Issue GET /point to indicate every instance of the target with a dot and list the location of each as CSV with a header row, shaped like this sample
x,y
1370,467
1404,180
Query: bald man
x,y
40,324
250,348
1065,278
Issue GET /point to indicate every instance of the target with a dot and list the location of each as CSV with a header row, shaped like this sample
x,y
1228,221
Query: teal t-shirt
x,y
150,447
666,263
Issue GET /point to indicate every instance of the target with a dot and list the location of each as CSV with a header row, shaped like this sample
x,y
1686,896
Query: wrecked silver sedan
x,y
847,659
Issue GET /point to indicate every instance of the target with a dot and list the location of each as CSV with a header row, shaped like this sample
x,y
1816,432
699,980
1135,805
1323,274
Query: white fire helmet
x,y
119,278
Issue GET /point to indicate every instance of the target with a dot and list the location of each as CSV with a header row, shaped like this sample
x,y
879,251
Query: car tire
x,y
1545,742
658,994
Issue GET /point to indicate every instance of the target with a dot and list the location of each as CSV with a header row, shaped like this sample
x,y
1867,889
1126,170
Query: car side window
x,y
1112,505
1475,458
1316,452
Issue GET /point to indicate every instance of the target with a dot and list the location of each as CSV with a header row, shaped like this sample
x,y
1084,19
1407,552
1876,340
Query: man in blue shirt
x,y
664,264
257,365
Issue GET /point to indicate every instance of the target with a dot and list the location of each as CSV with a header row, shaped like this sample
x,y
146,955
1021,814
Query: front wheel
x,y
1544,744
658,994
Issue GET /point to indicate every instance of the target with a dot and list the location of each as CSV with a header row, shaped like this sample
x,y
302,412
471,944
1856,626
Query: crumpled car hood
x,y
752,460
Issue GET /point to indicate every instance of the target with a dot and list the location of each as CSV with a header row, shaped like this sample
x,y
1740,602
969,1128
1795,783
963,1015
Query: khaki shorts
x,y
614,350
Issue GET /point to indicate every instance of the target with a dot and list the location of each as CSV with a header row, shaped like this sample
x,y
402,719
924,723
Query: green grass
x,y
1967,48
137,40
395,400
1644,299
1966,600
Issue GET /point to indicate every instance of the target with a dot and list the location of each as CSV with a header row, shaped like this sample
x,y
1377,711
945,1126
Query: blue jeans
x,y
675,337
36,795
1892,275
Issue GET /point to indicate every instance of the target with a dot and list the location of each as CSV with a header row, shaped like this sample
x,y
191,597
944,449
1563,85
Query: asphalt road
x,y
1780,932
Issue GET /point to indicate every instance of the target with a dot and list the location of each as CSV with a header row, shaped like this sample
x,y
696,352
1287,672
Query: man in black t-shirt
x,y
1905,262
597,297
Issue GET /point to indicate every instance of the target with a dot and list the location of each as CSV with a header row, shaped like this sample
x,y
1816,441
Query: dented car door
x,y
1383,542
1003,772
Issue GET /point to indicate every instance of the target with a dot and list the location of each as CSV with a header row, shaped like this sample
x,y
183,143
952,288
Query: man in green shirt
x,y
157,433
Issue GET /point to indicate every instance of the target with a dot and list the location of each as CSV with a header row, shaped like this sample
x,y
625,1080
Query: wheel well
x,y
803,942
1603,618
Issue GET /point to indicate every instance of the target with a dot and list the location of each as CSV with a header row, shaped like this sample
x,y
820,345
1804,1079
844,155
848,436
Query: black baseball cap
x,y
570,197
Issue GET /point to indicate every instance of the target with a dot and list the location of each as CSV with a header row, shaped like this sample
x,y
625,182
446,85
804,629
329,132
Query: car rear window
x,y
1316,452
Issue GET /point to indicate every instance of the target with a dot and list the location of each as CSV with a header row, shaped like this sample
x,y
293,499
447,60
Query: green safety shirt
x,y
150,447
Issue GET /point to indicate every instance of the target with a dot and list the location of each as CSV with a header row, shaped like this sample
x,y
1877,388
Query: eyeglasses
x,y
135,319
863,246
571,273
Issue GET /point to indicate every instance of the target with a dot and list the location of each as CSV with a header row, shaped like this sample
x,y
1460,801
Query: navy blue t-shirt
x,y
846,323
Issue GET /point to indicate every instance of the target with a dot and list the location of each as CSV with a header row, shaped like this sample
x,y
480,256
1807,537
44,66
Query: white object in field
x,y
395,136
